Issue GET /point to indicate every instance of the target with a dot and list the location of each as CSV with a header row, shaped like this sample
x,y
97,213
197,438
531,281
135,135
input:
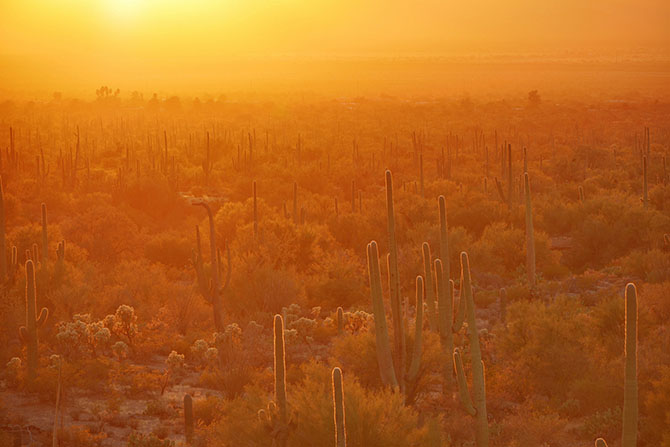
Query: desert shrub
x,y
374,418
160,408
141,440
169,248
79,436
542,344
651,266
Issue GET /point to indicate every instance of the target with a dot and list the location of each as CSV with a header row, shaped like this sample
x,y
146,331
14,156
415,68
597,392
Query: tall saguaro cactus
x,y
28,332
645,189
630,405
338,409
280,380
444,239
476,408
3,239
210,286
430,287
445,308
383,345
530,236
45,240
394,282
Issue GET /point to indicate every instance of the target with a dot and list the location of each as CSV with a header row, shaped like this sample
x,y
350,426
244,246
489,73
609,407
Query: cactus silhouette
x,y
210,285
188,418
530,237
338,409
476,408
630,406
3,237
28,332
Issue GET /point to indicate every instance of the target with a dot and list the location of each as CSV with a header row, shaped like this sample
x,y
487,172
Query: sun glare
x,y
124,10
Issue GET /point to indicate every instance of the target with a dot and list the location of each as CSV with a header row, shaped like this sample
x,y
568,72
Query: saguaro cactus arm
x,y
415,365
383,345
463,392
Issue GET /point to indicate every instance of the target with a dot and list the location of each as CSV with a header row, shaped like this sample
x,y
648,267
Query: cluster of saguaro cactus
x,y
211,287
476,407
28,333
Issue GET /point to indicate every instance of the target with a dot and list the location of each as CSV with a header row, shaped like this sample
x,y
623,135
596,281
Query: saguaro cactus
x,y
394,283
340,321
45,240
645,193
430,287
445,308
210,285
383,345
600,442
338,409
255,212
188,418
476,408
280,380
630,406
28,332
3,239
444,239
530,237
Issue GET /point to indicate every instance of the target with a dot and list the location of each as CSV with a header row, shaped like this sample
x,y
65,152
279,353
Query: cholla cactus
x,y
175,361
13,371
120,350
199,347
125,322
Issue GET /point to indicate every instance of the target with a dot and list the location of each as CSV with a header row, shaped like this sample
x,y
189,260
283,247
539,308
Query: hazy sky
x,y
125,41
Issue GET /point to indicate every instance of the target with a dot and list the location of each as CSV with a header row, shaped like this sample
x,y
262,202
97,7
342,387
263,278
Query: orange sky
x,y
59,44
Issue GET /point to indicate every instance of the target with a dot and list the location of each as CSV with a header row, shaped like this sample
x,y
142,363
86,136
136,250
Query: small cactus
x,y
340,321
28,332
188,418
530,237
600,442
338,409
630,405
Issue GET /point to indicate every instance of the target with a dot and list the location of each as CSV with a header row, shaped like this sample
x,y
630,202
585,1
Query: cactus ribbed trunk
x,y
444,239
340,321
645,192
383,345
418,332
188,418
255,213
29,332
530,237
280,377
338,409
3,240
215,289
45,240
430,287
394,285
630,404
478,380
445,308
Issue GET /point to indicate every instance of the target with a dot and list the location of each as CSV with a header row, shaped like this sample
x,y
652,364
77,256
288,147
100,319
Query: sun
x,y
124,10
